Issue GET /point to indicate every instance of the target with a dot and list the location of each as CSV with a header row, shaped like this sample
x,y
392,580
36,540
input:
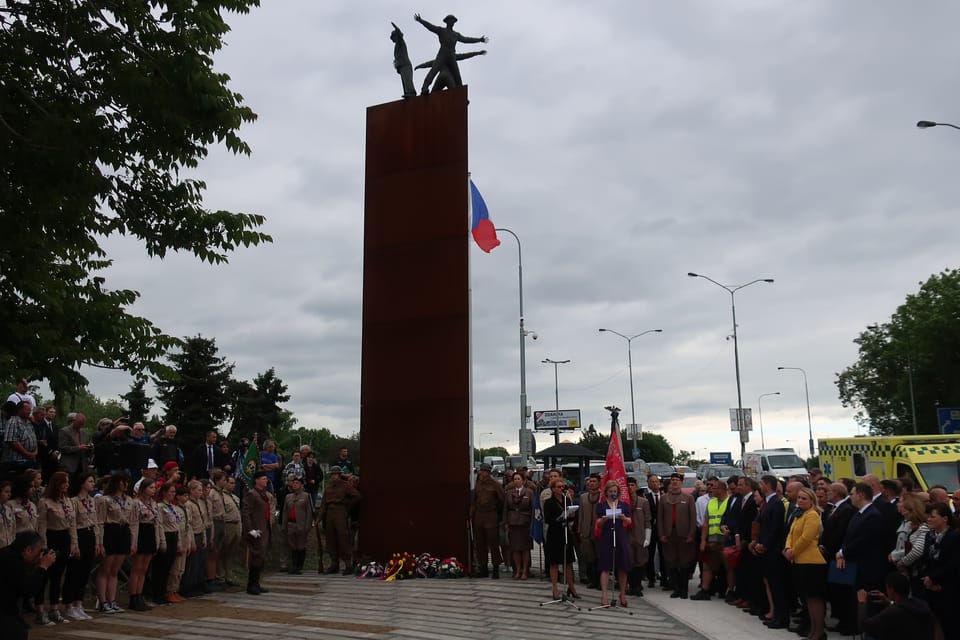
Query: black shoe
x,y
262,589
334,570
701,595
253,590
776,624
731,596
800,630
675,594
651,583
496,574
347,572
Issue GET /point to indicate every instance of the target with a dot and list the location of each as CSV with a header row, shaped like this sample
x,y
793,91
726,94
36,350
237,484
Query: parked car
x,y
662,469
720,471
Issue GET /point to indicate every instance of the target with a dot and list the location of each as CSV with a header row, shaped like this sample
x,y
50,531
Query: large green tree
x,y
652,446
138,402
919,344
196,396
255,408
104,107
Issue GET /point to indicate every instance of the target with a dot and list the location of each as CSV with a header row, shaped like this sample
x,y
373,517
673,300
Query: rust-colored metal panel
x,y
415,380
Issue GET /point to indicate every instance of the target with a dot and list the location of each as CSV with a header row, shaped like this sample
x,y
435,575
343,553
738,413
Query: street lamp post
x,y
760,412
736,348
629,339
926,124
524,440
806,390
556,396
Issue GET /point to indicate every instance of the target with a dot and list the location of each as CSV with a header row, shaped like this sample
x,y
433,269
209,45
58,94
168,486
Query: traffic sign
x,y
721,457
949,420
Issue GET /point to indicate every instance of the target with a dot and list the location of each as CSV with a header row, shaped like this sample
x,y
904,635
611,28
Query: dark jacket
x,y
19,580
910,618
862,545
835,528
772,523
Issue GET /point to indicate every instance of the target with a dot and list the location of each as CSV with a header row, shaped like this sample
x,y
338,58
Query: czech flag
x,y
484,233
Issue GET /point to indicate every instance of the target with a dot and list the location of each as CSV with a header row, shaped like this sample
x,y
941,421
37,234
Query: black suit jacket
x,y
198,461
748,515
835,528
653,507
863,545
772,522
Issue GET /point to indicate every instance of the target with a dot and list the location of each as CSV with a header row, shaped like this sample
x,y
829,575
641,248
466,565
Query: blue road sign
x,y
949,420
721,457
636,453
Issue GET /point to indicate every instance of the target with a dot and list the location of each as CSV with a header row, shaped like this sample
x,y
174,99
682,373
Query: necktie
x,y
209,457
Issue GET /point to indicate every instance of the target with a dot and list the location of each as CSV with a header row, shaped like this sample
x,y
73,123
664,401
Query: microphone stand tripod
x,y
562,570
611,602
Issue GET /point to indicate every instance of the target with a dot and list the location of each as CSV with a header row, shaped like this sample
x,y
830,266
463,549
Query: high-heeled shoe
x,y
573,595
556,594
623,602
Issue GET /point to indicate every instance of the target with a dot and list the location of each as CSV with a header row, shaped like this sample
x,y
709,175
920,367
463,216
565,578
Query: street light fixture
x,y
629,339
524,440
736,349
480,442
806,389
760,411
927,124
556,397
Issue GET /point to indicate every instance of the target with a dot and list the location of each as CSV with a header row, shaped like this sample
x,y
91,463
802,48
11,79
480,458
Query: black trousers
x,y
78,569
58,541
163,563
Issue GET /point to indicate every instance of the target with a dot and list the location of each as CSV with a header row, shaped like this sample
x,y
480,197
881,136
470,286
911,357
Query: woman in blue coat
x,y
613,546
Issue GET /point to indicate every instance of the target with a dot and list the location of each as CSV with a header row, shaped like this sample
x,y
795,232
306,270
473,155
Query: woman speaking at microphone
x,y
613,542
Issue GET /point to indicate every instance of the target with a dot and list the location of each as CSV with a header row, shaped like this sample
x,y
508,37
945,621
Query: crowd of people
x,y
882,557
173,526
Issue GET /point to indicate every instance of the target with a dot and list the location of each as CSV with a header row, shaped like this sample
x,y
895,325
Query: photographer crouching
x,y
23,566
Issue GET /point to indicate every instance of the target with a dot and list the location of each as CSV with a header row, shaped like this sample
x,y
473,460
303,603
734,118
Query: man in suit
x,y
834,529
768,548
75,449
204,457
729,526
863,550
890,517
655,554
749,587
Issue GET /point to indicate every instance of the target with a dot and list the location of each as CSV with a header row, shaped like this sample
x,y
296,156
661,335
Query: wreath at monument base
x,y
404,565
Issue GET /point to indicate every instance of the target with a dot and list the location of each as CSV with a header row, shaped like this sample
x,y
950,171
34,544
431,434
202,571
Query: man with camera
x,y
23,566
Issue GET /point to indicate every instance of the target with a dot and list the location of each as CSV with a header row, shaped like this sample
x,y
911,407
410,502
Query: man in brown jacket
x,y
677,525
338,498
256,530
297,519
485,509
586,519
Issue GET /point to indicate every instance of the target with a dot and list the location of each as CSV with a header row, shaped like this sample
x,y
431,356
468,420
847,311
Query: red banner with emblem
x,y
615,470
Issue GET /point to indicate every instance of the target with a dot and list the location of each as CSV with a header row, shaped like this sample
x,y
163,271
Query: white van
x,y
782,463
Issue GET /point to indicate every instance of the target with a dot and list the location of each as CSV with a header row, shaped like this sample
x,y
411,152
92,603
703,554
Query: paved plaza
x,y
313,606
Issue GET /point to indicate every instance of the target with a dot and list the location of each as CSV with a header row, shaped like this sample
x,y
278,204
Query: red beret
x,y
170,465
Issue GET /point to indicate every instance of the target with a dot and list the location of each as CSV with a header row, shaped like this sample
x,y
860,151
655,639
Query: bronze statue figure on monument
x,y
444,79
401,62
446,59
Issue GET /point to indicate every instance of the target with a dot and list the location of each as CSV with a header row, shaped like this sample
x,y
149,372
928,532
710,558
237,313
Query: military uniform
x,y
640,533
297,519
677,524
256,517
485,510
334,509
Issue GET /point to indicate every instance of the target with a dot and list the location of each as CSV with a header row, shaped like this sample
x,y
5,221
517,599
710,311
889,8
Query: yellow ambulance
x,y
928,460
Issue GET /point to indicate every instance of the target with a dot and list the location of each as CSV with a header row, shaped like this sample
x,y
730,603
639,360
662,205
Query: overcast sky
x,y
626,144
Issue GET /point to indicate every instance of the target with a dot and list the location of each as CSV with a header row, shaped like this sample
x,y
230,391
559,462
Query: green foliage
x,y
103,104
480,454
683,457
653,447
138,404
196,397
93,407
922,338
322,441
255,408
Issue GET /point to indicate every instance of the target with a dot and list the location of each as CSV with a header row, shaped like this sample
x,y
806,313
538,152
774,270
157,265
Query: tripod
x,y
561,521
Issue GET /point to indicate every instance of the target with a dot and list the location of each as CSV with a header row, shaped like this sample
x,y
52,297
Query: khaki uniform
x,y
337,500
586,520
231,533
485,509
184,537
